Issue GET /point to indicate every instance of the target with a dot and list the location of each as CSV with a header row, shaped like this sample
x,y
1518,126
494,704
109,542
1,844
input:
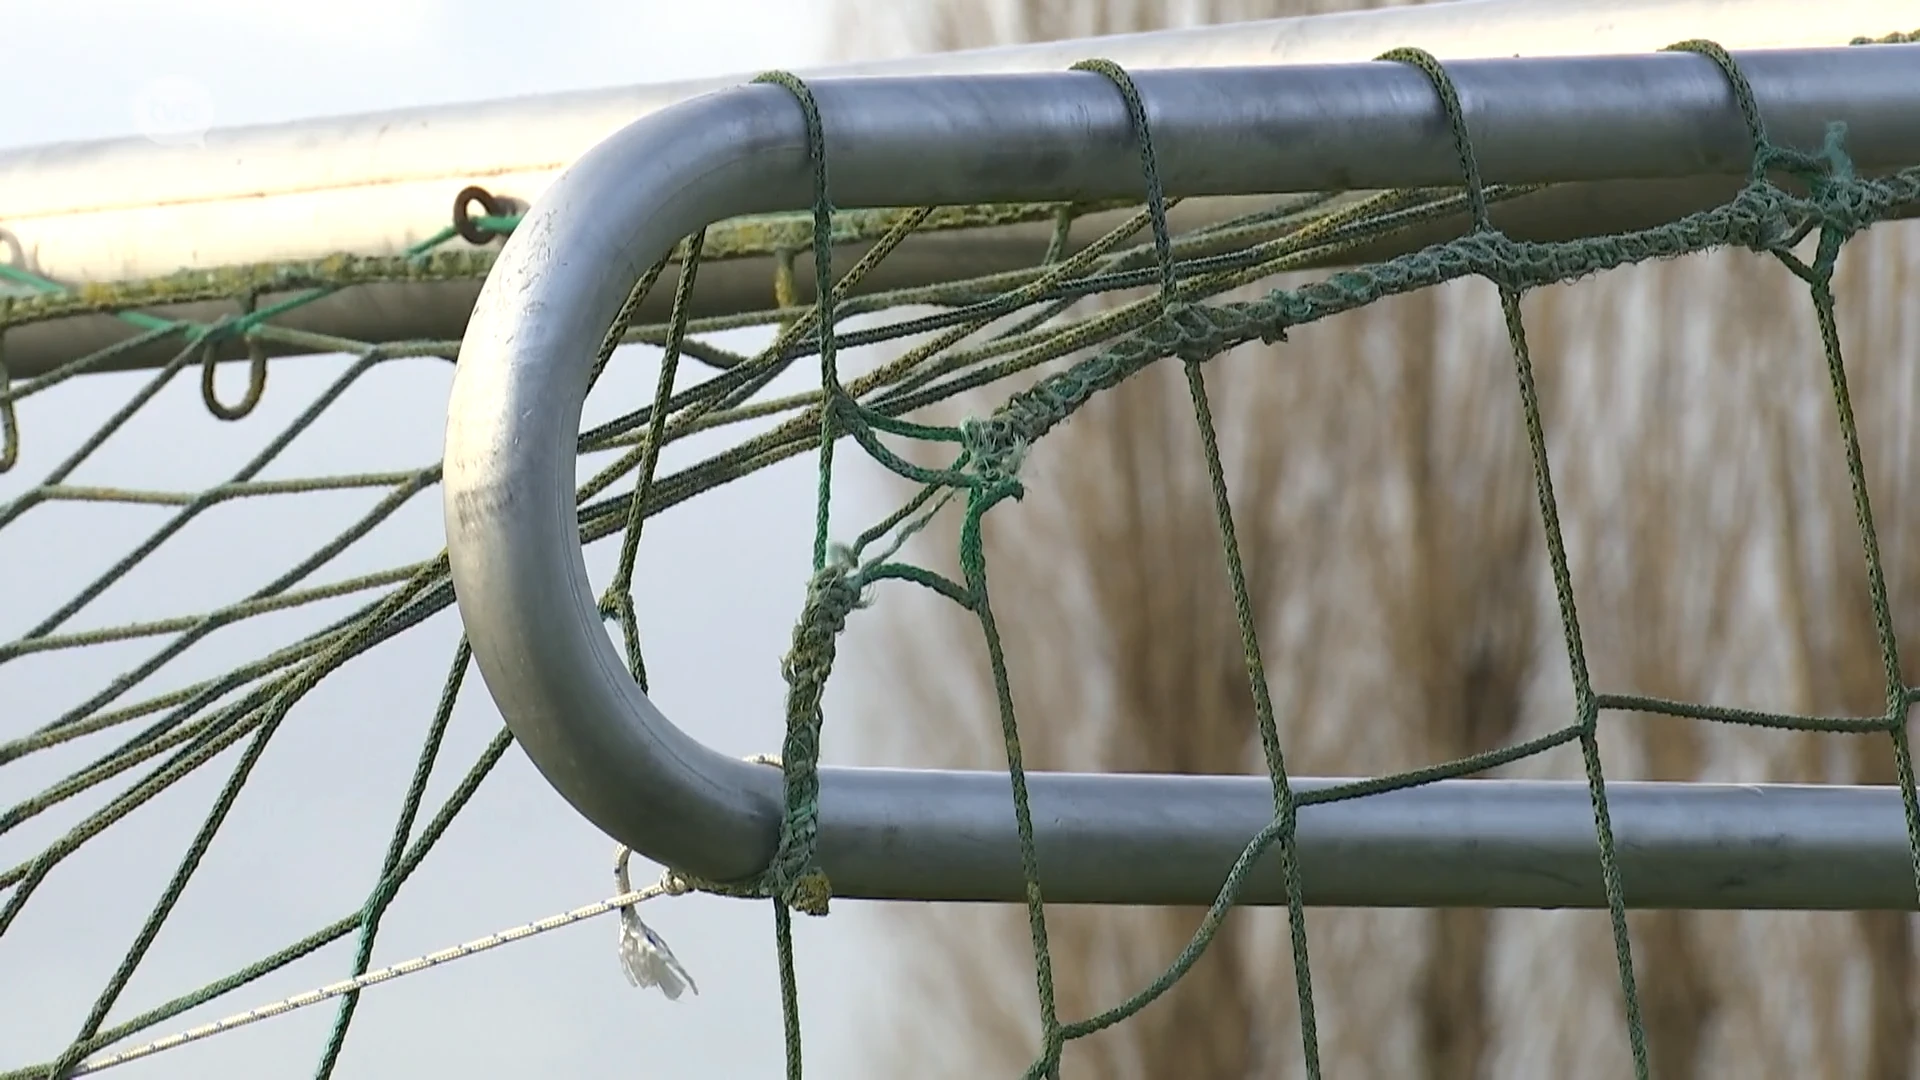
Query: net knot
x,y
997,445
1193,332
1839,203
1761,218
1846,203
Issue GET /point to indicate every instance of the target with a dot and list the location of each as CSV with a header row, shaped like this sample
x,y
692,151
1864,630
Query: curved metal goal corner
x,y
1615,126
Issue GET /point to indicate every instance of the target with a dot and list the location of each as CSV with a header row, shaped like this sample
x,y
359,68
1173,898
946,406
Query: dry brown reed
x,y
1386,510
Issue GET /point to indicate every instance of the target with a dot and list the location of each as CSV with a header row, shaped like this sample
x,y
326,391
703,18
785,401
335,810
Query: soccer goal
x,y
1037,224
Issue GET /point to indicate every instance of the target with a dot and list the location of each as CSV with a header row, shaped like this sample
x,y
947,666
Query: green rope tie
x,y
792,878
832,594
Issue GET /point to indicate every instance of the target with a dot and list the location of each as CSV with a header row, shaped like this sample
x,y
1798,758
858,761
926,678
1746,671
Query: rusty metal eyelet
x,y
492,206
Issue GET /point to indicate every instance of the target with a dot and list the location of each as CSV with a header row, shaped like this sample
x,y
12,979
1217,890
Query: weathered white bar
x,y
377,183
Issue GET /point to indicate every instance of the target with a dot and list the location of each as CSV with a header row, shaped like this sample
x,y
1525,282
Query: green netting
x,y
979,333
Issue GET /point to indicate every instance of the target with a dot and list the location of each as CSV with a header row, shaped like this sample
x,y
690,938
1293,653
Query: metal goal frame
x,y
1629,127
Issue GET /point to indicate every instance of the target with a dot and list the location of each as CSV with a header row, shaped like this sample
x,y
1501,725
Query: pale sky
x,y
303,844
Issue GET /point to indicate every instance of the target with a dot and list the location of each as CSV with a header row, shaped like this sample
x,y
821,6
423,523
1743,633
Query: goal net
x,y
1063,234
